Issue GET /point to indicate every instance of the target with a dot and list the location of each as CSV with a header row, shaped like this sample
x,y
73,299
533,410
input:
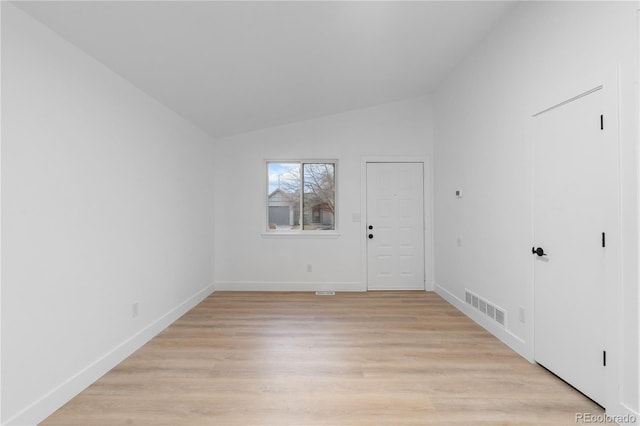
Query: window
x,y
301,196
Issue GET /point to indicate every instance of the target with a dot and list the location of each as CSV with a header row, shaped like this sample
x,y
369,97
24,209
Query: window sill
x,y
305,234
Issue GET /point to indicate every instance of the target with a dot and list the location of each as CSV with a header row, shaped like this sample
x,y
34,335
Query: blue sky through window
x,y
280,175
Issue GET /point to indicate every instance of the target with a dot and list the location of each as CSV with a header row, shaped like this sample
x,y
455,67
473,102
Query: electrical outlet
x,y
309,267
521,314
135,310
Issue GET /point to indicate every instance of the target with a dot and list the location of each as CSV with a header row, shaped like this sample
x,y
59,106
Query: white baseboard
x,y
288,286
506,337
403,288
57,397
623,415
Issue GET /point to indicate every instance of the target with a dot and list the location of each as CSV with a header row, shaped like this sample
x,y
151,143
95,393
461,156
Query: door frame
x,y
427,199
606,81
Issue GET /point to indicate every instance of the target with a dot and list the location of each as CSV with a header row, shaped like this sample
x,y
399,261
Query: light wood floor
x,y
377,358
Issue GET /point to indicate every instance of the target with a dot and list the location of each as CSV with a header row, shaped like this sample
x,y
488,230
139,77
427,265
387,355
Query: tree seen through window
x,y
307,187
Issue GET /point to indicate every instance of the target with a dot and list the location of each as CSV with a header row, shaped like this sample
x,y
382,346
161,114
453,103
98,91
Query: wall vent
x,y
483,306
491,311
487,308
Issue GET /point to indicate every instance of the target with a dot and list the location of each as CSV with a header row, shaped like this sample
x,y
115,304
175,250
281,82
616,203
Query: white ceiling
x,y
233,67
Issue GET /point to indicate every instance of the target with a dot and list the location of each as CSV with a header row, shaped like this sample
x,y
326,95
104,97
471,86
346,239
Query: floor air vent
x,y
487,308
325,293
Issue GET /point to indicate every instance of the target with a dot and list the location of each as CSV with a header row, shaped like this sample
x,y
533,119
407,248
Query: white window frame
x,y
300,233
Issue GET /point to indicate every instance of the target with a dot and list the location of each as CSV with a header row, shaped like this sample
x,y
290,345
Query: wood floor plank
x,y
376,358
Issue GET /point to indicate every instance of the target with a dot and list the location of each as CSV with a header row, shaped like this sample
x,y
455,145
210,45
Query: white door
x,y
572,198
395,226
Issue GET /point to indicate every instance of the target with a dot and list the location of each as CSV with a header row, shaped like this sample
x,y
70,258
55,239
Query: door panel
x,y
570,193
395,210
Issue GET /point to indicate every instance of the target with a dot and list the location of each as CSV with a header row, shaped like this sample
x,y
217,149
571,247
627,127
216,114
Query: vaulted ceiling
x,y
235,66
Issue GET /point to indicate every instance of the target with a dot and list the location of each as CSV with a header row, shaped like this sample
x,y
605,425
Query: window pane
x,y
284,196
319,196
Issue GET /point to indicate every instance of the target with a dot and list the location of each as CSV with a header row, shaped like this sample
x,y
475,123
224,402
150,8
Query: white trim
x,y
289,286
529,293
429,245
405,287
301,233
508,338
1,7
427,199
57,397
623,412
637,190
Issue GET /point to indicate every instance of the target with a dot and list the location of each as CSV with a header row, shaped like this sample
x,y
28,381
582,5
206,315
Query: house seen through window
x,y
302,196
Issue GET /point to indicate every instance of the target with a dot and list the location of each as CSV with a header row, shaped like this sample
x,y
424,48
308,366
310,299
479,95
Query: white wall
x,y
106,201
107,196
481,147
244,259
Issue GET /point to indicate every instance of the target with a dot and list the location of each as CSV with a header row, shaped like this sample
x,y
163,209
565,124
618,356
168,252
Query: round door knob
x,y
370,236
370,226
539,251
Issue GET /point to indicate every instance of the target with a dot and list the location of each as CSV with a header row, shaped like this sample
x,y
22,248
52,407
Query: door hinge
x,y
601,122
604,240
604,358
